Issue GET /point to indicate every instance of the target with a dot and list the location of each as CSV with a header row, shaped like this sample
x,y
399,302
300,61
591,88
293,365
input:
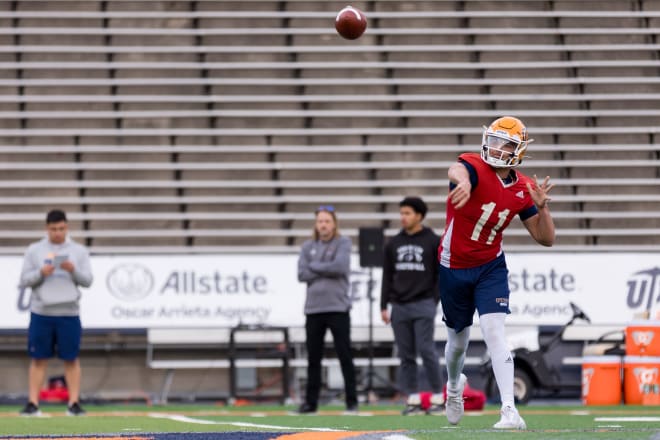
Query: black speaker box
x,y
372,243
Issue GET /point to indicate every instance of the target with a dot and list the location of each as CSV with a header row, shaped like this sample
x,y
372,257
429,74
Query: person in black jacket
x,y
410,285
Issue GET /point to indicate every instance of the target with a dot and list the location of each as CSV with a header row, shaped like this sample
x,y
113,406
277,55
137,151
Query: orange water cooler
x,y
643,338
601,380
641,380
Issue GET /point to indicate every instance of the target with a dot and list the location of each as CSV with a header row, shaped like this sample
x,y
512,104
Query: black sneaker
x,y
30,410
411,410
351,409
306,408
75,410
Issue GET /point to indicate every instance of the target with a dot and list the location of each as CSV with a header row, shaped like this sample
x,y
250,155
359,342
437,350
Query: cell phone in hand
x,y
59,259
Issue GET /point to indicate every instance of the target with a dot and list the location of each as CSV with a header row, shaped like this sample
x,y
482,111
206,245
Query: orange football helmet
x,y
504,142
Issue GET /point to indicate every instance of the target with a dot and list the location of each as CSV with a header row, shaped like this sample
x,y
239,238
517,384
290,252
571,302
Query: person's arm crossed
x,y
340,265
305,274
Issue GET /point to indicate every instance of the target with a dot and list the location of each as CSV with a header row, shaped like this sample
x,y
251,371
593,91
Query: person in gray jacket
x,y
54,268
324,264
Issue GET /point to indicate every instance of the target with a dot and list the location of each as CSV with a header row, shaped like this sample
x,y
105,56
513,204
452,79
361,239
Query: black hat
x,y
416,203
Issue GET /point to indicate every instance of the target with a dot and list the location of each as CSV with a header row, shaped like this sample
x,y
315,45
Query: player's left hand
x,y
460,195
539,193
68,266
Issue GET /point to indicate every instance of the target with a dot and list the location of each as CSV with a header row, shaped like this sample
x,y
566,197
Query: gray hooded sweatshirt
x,y
57,294
325,266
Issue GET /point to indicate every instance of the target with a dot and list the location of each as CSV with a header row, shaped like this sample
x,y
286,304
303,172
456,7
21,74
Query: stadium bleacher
x,y
218,126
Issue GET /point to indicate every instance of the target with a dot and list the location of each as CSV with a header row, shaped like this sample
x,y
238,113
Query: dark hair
x,y
416,203
55,216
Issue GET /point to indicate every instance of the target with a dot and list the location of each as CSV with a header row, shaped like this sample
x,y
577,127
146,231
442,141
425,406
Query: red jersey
x,y
473,234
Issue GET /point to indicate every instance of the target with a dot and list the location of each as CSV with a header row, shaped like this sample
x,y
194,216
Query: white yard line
x,y
185,419
627,419
397,437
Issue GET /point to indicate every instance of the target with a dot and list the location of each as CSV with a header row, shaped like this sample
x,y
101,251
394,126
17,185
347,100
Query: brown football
x,y
350,23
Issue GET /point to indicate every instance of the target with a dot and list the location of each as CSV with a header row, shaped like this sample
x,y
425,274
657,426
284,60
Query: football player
x,y
486,193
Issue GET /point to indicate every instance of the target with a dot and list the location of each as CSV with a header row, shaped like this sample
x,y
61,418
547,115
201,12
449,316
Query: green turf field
x,y
544,422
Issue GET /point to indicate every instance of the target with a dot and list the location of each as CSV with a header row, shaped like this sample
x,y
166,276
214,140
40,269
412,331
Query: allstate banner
x,y
132,291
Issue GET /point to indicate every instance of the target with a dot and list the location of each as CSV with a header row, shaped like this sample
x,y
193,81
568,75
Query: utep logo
x,y
647,380
642,338
130,282
643,291
587,375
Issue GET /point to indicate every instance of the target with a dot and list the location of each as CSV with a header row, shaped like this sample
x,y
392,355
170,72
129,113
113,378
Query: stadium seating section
x,y
214,126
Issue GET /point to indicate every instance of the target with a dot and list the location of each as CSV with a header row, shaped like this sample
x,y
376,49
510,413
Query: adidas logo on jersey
x,y
520,194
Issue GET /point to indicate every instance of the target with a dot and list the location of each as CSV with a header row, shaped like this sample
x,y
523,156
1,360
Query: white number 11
x,y
488,209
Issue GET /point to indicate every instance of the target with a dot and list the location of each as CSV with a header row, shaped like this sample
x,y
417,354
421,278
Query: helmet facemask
x,y
504,143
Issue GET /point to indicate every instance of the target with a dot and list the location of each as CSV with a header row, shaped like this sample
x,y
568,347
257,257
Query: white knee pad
x,y
493,331
457,343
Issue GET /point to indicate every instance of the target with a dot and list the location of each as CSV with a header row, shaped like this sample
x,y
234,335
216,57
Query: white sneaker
x,y
437,399
454,406
415,399
437,404
510,419
413,405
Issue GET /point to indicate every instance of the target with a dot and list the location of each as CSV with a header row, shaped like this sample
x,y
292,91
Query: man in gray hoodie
x,y
53,268
325,265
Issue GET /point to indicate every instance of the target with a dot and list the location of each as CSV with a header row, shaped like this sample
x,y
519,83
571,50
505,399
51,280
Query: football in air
x,y
351,23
